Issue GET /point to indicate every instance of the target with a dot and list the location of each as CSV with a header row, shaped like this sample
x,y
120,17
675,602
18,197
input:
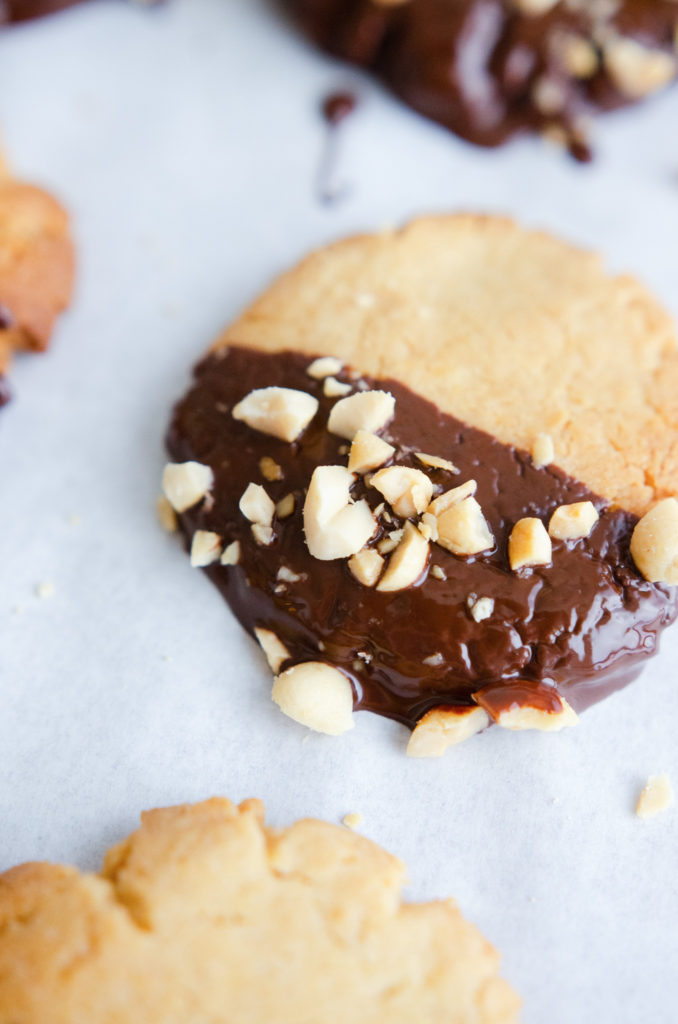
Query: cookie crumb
x,y
44,590
352,820
167,517
656,797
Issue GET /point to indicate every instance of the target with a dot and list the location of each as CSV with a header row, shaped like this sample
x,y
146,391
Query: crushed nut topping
x,y
637,70
324,366
529,544
273,647
481,608
285,507
570,522
433,660
186,483
368,452
520,717
333,388
543,451
408,561
390,541
231,555
366,566
452,497
438,573
316,695
281,412
463,529
365,410
436,462
654,543
205,548
288,575
256,505
408,491
262,534
269,468
335,527
440,729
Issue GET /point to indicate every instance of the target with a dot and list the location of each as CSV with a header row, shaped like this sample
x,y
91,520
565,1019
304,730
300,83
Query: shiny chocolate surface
x,y
485,69
582,626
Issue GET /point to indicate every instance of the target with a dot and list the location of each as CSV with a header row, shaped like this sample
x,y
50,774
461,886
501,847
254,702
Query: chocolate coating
x,y
26,10
479,66
584,625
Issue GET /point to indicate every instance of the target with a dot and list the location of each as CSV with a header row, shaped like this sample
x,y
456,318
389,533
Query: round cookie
x,y
414,468
36,267
191,912
491,70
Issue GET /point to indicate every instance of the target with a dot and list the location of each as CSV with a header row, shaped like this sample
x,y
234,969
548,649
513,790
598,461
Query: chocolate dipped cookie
x,y
36,267
433,472
207,915
490,69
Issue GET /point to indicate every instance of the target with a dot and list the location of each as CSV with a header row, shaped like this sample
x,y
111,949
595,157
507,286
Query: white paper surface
x,y
184,140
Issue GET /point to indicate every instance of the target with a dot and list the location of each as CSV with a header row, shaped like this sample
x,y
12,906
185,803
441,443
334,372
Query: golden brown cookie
x,y
512,331
414,468
205,914
36,267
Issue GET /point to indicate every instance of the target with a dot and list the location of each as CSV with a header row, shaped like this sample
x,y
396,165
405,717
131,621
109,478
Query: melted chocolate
x,y
335,109
337,106
583,625
479,66
26,10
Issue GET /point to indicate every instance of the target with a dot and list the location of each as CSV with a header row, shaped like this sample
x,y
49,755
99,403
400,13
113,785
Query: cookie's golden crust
x,y
205,914
511,330
36,266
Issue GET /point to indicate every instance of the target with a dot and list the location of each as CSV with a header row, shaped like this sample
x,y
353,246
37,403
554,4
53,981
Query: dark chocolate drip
x,y
584,624
5,393
27,10
335,109
481,67
337,106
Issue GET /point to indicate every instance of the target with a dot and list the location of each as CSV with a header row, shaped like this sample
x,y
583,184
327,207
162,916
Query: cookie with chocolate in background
x,y
433,471
491,69
36,269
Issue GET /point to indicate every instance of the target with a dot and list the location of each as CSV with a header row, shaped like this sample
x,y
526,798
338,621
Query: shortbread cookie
x,y
36,267
205,914
491,70
415,466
